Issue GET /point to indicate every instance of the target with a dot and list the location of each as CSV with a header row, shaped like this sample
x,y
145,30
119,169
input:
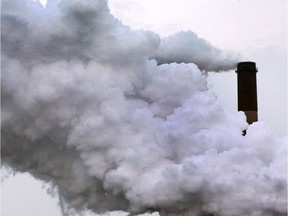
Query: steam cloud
x,y
187,47
84,105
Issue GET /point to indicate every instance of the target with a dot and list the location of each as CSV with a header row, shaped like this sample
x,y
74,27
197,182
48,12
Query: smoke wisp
x,y
85,106
187,47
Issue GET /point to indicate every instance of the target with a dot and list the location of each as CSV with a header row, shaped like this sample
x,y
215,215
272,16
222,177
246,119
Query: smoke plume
x,y
86,107
187,47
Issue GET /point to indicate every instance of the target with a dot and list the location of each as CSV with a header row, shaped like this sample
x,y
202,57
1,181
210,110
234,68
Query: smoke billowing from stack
x,y
84,108
187,47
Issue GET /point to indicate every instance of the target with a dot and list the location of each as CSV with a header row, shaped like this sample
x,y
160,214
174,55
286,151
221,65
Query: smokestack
x,y
247,90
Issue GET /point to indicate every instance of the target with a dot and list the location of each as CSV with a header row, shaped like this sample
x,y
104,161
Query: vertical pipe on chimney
x,y
247,90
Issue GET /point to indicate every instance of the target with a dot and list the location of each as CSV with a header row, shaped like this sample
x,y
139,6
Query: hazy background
x,y
257,30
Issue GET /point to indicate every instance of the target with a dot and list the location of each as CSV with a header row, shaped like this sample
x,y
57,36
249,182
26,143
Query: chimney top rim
x,y
248,66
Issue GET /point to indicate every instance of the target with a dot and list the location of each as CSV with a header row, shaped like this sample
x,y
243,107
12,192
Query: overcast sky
x,y
257,30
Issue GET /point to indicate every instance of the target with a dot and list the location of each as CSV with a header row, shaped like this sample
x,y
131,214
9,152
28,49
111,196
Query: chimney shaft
x,y
247,90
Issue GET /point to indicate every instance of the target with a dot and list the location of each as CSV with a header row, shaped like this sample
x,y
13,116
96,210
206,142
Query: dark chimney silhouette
x,y
247,90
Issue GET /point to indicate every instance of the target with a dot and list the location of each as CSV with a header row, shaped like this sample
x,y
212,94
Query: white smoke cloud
x,y
85,108
187,47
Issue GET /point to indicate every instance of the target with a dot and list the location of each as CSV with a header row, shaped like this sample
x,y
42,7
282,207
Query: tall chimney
x,y
247,90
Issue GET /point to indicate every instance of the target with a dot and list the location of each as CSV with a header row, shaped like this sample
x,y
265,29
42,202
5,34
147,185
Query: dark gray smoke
x,y
84,108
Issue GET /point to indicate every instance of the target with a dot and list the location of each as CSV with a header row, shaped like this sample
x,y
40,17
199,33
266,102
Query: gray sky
x,y
257,30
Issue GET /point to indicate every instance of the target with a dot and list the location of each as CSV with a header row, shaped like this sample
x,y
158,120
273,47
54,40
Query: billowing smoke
x,y
85,106
187,47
